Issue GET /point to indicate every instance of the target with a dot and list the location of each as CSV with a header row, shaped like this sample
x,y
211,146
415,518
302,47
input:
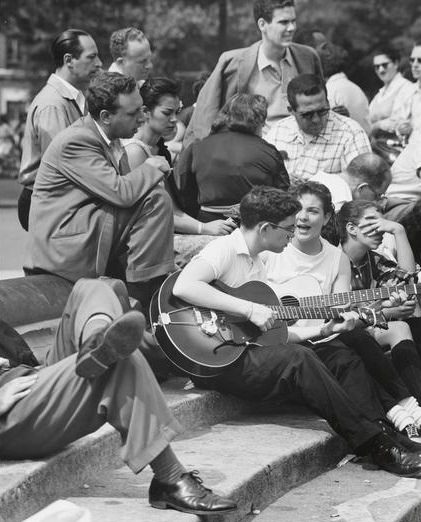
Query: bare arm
x,y
193,286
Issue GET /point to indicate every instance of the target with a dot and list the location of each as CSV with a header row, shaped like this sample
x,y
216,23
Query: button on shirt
x,y
331,151
270,79
231,261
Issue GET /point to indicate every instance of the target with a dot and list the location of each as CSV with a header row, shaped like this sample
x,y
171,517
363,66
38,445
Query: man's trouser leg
x,y
391,388
63,407
150,238
294,372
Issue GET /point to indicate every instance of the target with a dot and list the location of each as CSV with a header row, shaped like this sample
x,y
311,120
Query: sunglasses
x,y
383,65
414,60
310,114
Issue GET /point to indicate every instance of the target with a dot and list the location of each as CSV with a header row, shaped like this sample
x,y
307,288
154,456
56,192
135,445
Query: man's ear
x,y
290,109
104,117
119,60
263,227
261,23
67,59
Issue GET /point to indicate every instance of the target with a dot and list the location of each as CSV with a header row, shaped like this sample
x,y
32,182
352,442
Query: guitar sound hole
x,y
289,300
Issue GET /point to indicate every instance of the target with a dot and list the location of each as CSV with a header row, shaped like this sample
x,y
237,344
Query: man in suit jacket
x,y
87,206
265,68
60,103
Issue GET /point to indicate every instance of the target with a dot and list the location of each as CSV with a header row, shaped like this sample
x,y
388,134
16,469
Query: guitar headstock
x,y
373,316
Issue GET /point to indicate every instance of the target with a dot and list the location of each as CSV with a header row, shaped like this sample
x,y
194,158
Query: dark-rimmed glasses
x,y
290,231
309,115
414,59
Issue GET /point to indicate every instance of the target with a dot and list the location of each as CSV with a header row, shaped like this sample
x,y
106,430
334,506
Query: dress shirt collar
x,y
74,94
103,135
338,76
239,243
263,61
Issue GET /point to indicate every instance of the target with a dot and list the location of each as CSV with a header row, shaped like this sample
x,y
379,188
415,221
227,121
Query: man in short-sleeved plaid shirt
x,y
314,137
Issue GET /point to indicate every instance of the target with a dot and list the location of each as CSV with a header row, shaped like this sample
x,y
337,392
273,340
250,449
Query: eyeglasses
x,y
377,195
310,114
290,231
414,59
383,65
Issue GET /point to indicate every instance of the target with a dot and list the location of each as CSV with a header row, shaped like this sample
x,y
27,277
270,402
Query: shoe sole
x,y
120,340
166,505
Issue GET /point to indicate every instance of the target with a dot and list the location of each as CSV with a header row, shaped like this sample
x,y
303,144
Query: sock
x,y
166,467
399,417
413,408
96,322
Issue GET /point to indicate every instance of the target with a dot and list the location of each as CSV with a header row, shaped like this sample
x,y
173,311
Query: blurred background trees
x,y
188,35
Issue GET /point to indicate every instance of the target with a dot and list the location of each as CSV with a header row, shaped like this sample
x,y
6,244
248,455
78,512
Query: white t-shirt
x,y
231,261
406,184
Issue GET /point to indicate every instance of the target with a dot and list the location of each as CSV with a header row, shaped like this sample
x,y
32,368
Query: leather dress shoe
x,y
188,495
401,437
104,348
394,457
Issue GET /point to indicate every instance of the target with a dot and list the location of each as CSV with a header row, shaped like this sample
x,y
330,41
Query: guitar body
x,y
203,342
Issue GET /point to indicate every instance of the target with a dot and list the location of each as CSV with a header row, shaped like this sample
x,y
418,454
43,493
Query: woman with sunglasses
x,y
161,101
386,106
411,126
310,257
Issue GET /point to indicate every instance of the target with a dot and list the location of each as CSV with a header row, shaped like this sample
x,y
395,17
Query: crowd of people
x,y
278,158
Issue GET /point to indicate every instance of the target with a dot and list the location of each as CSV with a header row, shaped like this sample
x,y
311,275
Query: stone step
x,y
27,486
254,458
355,492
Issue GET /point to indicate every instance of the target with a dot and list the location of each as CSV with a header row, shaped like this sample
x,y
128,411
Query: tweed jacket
x,y
231,76
77,194
52,110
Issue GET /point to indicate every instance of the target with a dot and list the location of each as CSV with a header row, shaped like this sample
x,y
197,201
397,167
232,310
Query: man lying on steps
x,y
95,374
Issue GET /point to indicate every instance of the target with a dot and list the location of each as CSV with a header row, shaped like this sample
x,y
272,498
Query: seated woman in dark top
x,y
216,172
161,105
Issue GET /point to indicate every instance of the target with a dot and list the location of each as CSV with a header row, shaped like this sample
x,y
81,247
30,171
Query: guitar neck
x,y
305,312
357,296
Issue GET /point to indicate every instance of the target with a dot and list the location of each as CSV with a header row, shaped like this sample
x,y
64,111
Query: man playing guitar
x,y
289,371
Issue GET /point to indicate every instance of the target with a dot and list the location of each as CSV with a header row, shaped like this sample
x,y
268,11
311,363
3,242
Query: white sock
x,y
413,408
399,417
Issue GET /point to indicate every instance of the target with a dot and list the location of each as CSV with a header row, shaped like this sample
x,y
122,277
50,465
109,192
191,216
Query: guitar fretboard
x,y
306,312
357,296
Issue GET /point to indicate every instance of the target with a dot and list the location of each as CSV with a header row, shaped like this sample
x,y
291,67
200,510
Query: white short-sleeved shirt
x,y
231,261
406,183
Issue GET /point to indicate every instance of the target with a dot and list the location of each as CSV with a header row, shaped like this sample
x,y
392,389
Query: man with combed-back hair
x,y
131,53
265,68
60,103
87,207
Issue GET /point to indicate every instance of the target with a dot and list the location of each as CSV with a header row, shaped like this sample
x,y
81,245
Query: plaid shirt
x,y
330,152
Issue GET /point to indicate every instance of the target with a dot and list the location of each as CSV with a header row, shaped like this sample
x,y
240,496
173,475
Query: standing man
x,y
60,103
131,53
265,68
314,137
88,209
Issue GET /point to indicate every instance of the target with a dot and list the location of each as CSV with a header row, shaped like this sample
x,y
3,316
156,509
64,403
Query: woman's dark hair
x,y
318,190
352,212
154,88
392,53
242,113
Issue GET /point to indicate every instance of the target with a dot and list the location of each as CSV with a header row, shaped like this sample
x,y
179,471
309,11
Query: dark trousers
x,y
390,386
24,206
295,372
